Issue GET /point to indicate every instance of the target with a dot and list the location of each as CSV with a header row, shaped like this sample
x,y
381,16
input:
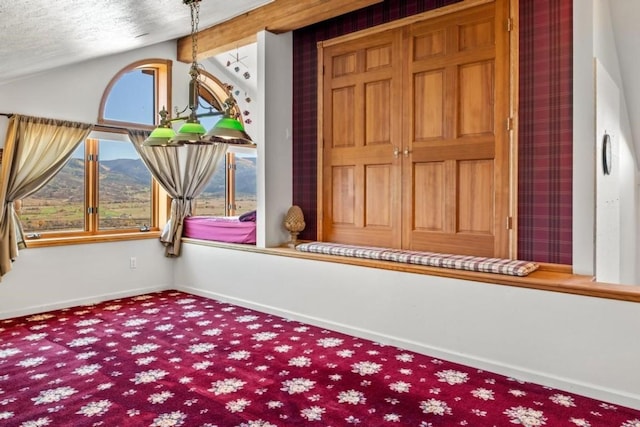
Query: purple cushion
x,y
248,216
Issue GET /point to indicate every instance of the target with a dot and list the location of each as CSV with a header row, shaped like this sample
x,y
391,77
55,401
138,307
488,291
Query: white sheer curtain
x,y
183,172
35,150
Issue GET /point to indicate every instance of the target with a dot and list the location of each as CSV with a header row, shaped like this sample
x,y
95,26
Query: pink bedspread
x,y
220,229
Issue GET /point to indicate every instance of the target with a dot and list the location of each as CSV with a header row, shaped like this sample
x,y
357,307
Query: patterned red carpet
x,y
174,359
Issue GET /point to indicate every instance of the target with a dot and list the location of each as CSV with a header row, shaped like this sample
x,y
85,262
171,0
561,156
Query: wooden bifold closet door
x,y
415,142
362,139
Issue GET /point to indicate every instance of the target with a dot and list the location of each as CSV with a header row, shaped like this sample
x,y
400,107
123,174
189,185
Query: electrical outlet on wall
x,y
133,262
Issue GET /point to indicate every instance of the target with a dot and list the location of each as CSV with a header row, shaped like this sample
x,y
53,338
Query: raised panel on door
x,y
475,98
429,196
429,104
377,112
343,106
378,184
455,114
343,203
362,132
475,197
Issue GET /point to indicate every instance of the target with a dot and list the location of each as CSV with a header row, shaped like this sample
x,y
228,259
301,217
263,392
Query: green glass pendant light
x,y
228,130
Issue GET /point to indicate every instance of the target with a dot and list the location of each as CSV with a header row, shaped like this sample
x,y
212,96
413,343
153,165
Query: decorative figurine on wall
x,y
236,62
238,65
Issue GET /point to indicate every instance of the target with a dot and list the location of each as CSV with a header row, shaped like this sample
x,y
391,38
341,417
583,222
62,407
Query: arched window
x,y
136,94
105,188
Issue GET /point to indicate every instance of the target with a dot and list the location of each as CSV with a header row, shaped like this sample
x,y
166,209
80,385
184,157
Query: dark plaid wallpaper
x,y
545,164
545,135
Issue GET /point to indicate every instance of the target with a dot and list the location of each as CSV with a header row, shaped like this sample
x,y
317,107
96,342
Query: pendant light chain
x,y
194,72
195,20
228,130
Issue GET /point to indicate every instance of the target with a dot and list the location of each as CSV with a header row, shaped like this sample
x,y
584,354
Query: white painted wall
x,y
74,92
44,279
625,156
625,15
275,152
608,238
593,28
583,134
580,344
629,203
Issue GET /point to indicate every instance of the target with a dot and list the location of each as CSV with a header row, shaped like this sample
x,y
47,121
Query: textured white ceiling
x,y
36,35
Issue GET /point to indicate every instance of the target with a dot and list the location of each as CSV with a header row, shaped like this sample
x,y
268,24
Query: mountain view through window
x,y
106,187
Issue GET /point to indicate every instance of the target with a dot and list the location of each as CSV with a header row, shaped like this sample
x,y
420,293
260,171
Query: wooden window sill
x,y
80,240
548,277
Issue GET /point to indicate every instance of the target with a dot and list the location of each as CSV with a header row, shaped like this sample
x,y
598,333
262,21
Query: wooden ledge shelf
x,y
548,277
81,240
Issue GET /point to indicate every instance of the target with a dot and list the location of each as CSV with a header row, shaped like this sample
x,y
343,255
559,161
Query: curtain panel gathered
x,y
182,172
35,150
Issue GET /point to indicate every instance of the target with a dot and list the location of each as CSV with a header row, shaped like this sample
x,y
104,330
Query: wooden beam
x,y
279,16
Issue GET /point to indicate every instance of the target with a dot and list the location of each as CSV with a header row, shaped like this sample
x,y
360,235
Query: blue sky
x,y
131,99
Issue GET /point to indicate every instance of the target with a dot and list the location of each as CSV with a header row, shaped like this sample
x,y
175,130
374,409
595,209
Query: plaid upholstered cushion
x,y
431,259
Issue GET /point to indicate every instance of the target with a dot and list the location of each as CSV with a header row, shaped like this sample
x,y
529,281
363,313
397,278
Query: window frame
x,y
213,91
161,68
231,207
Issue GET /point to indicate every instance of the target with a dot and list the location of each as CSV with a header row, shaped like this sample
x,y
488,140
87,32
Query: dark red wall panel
x,y
545,139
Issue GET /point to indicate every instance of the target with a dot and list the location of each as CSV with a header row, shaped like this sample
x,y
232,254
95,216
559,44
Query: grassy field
x,y
214,206
51,215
